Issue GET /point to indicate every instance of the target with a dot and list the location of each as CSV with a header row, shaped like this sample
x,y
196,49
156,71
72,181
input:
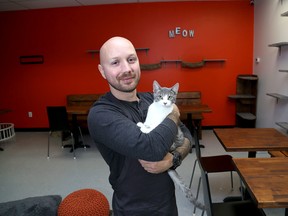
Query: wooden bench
x,y
81,100
191,98
183,98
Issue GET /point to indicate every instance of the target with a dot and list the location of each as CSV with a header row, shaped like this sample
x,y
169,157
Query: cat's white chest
x,y
157,112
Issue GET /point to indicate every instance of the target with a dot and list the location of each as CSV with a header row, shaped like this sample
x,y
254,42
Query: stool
x,y
84,202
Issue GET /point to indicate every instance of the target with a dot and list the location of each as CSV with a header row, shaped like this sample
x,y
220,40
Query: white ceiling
x,y
16,5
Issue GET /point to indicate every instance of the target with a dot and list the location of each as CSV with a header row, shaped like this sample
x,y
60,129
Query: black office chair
x,y
58,121
232,208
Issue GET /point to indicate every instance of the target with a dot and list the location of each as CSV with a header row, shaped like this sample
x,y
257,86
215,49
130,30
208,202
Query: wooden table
x,y
78,110
75,111
197,108
251,139
266,180
192,109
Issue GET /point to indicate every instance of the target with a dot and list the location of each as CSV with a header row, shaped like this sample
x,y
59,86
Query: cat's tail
x,y
185,189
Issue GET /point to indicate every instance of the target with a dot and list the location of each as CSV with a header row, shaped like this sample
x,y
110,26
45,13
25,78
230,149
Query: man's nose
x,y
126,66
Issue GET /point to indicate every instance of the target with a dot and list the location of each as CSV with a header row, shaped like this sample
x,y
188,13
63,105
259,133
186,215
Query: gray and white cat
x,y
164,98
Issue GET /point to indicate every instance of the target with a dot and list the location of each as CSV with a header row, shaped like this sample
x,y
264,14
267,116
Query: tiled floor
x,y
25,170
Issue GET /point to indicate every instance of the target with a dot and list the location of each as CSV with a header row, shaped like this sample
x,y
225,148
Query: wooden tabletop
x,y
197,108
78,110
266,180
251,139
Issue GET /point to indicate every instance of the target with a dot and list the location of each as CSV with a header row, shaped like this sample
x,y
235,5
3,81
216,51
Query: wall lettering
x,y
184,33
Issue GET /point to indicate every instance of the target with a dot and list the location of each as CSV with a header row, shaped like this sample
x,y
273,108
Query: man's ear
x,y
100,68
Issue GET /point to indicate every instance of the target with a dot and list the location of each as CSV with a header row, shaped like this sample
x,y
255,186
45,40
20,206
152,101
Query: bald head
x,y
119,65
113,46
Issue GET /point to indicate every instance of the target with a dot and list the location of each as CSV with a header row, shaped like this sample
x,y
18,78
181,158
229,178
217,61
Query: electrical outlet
x,y
30,114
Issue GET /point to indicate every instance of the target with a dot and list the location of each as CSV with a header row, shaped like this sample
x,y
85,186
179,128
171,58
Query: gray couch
x,y
32,206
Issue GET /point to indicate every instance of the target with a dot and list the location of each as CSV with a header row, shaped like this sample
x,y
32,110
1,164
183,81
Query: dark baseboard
x,y
31,129
217,126
85,130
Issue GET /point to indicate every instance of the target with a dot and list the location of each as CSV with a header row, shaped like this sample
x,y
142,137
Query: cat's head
x,y
164,95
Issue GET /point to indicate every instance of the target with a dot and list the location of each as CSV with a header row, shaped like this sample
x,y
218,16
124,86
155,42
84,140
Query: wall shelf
x,y
286,71
241,96
246,116
285,14
192,64
278,96
214,60
279,45
245,100
171,61
283,125
251,78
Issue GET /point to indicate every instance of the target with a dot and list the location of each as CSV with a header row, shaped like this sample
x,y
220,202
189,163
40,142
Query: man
x,y
138,162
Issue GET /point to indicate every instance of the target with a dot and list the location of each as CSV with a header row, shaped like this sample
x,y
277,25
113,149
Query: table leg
x,y
77,142
190,127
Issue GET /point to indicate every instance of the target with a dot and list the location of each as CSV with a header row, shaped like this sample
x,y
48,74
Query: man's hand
x,y
158,166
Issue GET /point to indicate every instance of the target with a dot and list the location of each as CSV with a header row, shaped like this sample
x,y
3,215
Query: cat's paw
x,y
145,129
140,124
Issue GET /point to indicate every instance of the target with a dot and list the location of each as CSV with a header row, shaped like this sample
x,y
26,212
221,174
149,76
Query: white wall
x,y
270,27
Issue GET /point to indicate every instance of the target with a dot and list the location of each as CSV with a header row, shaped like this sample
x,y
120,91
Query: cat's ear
x,y
175,88
156,86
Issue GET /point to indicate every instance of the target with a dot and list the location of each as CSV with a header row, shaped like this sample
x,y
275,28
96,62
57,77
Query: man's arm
x,y
184,149
167,162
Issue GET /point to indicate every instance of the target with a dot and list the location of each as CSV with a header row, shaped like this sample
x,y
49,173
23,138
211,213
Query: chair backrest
x,y
58,118
204,176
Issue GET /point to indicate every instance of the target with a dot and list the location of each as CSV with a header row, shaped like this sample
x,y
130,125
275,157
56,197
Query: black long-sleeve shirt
x,y
112,125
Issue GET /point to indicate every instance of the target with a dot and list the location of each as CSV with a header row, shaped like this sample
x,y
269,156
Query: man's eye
x,y
114,63
132,60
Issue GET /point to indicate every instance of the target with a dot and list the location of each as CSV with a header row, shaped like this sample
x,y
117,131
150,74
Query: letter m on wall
x,y
171,34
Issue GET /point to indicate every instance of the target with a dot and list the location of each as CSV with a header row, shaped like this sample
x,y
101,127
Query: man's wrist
x,y
177,160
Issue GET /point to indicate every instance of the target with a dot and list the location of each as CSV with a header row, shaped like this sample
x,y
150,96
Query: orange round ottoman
x,y
84,202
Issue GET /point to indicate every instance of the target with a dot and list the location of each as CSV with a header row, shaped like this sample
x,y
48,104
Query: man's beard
x,y
123,88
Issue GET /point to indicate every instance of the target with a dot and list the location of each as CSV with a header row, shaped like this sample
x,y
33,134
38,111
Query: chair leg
x,y
80,131
232,184
193,171
197,194
48,152
203,211
73,143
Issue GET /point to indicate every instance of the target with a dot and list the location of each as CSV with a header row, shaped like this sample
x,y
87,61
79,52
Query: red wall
x,y
223,30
